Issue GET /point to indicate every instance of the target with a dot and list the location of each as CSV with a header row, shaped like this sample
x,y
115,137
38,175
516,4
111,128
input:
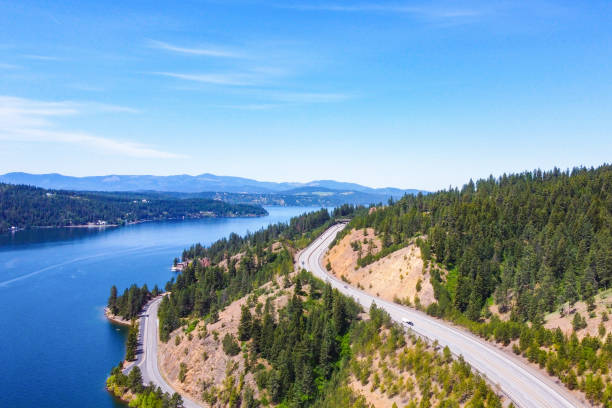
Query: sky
x,y
409,94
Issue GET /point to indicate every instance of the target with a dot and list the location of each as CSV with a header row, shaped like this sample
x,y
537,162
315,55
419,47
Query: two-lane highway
x,y
147,359
525,386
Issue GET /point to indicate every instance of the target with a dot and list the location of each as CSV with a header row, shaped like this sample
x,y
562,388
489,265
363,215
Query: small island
x,y
25,207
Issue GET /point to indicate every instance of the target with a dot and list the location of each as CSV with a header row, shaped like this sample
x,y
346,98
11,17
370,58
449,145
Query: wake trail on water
x,y
5,283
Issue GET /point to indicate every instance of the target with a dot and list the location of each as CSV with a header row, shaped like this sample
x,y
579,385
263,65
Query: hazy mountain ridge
x,y
184,183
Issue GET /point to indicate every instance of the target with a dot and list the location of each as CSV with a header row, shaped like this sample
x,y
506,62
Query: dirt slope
x,y
393,277
594,318
207,365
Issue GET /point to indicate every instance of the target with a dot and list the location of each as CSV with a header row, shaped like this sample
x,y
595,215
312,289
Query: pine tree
x,y
132,342
112,300
135,380
246,324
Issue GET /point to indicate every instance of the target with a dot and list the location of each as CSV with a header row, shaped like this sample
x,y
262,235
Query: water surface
x,y
56,347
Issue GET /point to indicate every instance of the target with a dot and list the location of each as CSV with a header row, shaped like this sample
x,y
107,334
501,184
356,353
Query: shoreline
x,y
115,319
101,227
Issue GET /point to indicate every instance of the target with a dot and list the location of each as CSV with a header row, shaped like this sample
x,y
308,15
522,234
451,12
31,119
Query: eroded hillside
x,y
401,275
296,342
195,360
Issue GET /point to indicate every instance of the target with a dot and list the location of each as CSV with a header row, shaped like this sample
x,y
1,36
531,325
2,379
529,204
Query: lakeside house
x,y
179,266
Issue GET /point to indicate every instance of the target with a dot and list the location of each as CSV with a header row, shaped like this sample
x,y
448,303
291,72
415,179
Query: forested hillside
x,y
296,342
299,229
531,241
199,291
26,207
237,265
528,244
322,354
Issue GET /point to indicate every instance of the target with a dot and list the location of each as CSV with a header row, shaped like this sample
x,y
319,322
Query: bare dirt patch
x,y
603,303
399,275
502,316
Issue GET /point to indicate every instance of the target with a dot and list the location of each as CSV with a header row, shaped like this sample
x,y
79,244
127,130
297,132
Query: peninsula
x,y
23,207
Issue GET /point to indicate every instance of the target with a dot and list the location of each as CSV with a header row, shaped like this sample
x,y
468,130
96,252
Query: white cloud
x,y
27,120
213,78
206,52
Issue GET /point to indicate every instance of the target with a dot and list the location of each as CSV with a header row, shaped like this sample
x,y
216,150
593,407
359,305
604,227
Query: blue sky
x,y
404,93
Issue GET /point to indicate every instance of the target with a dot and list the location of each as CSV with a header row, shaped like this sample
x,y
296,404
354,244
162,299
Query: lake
x,y
56,347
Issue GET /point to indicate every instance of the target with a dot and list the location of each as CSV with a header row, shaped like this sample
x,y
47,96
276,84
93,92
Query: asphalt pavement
x,y
147,355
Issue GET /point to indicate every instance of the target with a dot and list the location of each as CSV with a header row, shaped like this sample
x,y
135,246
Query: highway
x,y
147,355
522,384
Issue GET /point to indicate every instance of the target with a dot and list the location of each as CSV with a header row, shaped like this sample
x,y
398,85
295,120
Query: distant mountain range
x,y
318,192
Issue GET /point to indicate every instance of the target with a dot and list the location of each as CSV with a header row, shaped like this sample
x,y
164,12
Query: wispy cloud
x,y
27,120
8,66
310,97
197,51
41,57
84,139
426,11
213,78
249,107
275,99
262,73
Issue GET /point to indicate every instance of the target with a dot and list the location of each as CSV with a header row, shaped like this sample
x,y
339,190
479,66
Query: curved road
x,y
525,386
147,356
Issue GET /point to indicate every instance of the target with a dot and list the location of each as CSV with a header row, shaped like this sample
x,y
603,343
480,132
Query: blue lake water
x,y
56,347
